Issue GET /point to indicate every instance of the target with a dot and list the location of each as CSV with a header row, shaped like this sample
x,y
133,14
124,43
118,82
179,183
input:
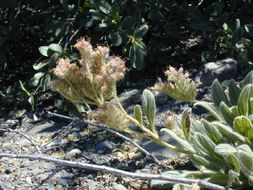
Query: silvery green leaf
x,y
186,122
229,154
201,161
212,131
161,184
179,187
138,113
233,92
244,148
210,108
230,133
218,94
31,101
53,59
181,141
243,101
243,126
247,80
245,157
251,106
225,150
36,78
203,144
41,64
227,114
234,162
141,31
149,106
56,48
44,50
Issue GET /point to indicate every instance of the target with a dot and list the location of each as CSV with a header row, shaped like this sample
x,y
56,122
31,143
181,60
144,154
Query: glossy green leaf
x,y
140,32
149,106
24,89
36,78
53,59
138,114
41,64
104,6
249,29
218,94
199,26
217,8
56,48
127,23
186,122
31,101
116,39
233,92
44,50
46,82
227,114
136,55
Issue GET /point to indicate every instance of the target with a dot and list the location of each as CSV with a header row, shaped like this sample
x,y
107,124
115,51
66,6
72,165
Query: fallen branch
x,y
35,144
110,131
117,172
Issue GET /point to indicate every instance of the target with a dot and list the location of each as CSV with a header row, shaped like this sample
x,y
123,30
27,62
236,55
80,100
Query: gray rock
x,y
63,182
105,146
116,186
72,154
222,70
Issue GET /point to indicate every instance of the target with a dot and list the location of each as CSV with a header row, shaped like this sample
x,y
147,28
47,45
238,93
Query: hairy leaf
x,y
186,123
218,94
233,92
149,106
138,113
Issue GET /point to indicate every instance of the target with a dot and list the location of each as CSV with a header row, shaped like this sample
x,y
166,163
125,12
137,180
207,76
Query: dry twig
x,y
110,131
117,172
35,144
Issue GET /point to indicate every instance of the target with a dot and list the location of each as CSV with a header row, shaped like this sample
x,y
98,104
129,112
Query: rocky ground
x,y
57,138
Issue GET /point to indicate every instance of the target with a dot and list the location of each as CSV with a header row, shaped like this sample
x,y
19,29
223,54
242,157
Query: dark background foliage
x,y
150,35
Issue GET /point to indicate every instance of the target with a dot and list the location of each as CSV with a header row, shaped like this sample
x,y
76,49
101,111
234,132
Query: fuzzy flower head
x,y
111,115
93,79
178,85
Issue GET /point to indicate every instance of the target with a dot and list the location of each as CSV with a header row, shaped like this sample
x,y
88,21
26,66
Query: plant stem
x,y
142,127
171,147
